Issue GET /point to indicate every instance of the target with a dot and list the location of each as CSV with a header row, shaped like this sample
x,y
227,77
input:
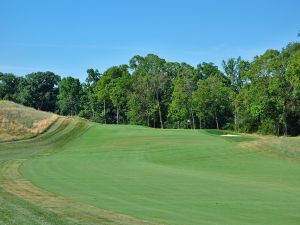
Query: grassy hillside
x,y
21,202
20,122
78,172
173,176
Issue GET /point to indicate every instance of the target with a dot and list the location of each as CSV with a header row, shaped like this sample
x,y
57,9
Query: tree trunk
x,y
104,112
200,122
284,121
117,114
285,129
93,112
217,121
193,119
159,112
178,125
235,120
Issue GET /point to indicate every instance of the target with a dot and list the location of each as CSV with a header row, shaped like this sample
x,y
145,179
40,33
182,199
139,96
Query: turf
x,y
174,176
16,210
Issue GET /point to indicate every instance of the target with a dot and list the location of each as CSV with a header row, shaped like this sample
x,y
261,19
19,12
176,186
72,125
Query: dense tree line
x,y
258,96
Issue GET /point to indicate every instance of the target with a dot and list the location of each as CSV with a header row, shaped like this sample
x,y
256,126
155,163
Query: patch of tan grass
x,y
279,147
20,122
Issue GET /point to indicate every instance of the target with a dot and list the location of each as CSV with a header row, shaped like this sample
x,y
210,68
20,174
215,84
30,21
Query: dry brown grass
x,y
20,122
279,147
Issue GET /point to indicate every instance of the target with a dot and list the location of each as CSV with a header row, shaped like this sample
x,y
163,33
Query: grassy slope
x,y
23,203
176,176
14,209
20,122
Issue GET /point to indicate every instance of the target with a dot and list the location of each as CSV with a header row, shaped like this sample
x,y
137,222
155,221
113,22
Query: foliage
x,y
69,96
261,95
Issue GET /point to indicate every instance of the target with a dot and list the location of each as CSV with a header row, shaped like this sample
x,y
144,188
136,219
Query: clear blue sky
x,y
67,37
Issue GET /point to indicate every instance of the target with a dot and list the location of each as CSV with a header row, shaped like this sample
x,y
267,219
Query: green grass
x,y
171,176
86,173
14,210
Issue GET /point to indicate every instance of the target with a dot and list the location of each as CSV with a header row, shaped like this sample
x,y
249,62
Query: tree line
x,y
262,95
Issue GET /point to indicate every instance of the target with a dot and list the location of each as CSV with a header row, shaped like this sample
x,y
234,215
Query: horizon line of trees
x,y
262,95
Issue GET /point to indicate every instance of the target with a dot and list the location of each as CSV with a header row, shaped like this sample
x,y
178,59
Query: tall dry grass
x,y
20,122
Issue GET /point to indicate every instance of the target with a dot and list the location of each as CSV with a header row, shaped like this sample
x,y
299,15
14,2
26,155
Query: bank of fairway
x,y
174,176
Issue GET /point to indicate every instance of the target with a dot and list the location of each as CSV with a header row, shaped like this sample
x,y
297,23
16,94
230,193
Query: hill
x,y
78,172
20,122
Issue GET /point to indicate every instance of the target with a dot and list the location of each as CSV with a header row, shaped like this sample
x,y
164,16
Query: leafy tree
x,y
293,78
89,101
108,88
231,68
39,90
118,94
213,96
205,70
261,95
142,107
151,72
180,110
236,71
69,96
8,86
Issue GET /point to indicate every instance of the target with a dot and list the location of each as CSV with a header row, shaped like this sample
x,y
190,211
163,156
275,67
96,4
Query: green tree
x,y
118,93
231,68
69,96
293,78
212,100
141,104
39,90
111,81
180,109
152,74
8,86
90,105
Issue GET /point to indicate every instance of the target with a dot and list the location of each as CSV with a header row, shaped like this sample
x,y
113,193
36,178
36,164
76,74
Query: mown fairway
x,y
174,176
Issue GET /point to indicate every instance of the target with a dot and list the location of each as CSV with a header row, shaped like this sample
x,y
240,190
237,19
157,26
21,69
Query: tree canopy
x,y
262,95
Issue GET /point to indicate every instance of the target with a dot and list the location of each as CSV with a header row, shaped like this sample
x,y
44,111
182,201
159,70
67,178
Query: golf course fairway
x,y
170,176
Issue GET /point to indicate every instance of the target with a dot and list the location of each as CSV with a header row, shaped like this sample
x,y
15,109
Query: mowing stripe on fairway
x,y
172,176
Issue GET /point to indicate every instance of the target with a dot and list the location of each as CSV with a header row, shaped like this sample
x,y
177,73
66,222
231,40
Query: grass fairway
x,y
174,176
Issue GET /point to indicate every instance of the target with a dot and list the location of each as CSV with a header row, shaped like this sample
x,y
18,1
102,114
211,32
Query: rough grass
x,y
280,147
20,122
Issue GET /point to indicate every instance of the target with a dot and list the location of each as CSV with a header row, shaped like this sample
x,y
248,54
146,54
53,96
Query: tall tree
x,y
213,96
69,96
89,101
39,90
108,88
8,86
151,71
119,89
181,108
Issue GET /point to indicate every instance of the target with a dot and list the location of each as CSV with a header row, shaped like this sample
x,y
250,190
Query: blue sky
x,y
68,37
